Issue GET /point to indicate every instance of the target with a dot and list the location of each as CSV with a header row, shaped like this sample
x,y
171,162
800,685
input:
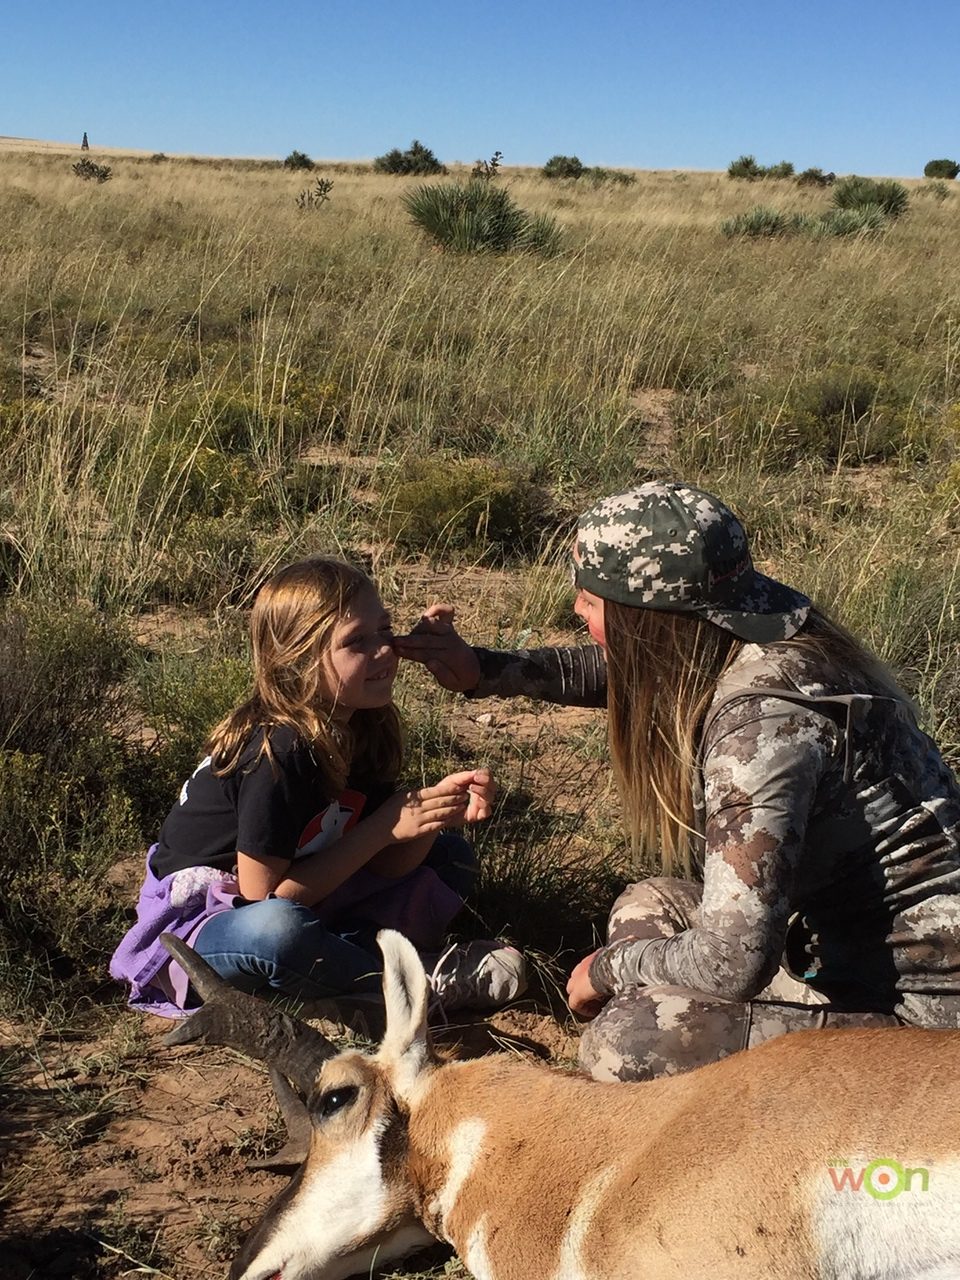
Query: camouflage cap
x,y
674,547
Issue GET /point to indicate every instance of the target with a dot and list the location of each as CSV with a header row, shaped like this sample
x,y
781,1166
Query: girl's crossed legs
x,y
282,946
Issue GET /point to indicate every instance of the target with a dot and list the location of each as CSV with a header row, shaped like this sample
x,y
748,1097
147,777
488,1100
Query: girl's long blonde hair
x,y
291,625
662,671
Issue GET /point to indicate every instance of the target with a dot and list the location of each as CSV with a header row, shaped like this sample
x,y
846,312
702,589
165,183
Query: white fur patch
x,y
909,1231
344,1201
463,1147
570,1265
475,1254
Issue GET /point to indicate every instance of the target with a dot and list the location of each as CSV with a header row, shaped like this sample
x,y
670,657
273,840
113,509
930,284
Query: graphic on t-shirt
x,y
202,765
329,825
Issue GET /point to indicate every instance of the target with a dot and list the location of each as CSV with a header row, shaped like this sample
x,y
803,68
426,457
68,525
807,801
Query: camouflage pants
x,y
656,1031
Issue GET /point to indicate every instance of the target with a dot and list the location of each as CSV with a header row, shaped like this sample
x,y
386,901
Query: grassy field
x,y
200,381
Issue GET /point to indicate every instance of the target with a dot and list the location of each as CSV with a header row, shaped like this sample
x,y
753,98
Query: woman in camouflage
x,y
764,755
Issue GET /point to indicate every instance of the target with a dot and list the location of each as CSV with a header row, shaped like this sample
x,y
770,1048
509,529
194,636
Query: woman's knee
x,y
658,1031
657,907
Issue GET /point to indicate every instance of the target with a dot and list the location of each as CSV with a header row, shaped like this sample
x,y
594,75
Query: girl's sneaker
x,y
478,975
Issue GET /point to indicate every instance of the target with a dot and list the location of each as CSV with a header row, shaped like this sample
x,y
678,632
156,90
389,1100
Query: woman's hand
x,y
582,997
434,642
455,800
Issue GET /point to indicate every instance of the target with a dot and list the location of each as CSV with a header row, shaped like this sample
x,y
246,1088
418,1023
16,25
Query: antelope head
x,y
350,1207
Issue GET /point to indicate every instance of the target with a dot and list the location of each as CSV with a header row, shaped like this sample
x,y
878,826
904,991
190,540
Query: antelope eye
x,y
332,1100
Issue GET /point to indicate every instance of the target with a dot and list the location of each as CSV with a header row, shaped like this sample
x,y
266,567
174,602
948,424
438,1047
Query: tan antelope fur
x,y
730,1172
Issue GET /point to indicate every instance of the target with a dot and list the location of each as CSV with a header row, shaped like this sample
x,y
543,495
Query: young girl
x,y
290,846
756,742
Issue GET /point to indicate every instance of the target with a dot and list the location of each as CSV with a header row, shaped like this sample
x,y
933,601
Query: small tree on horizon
x,y
941,169
417,159
84,145
298,160
563,167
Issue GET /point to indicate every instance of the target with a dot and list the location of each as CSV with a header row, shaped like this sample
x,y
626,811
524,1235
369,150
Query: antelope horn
x,y
297,1119
243,1022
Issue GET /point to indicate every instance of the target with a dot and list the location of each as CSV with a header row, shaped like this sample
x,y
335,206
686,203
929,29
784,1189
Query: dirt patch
x,y
654,406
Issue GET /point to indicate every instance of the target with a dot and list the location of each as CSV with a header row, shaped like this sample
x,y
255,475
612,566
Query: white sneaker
x,y
478,975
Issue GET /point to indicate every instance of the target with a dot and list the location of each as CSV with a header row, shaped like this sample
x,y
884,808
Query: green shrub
x,y
310,487
417,160
815,178
59,917
784,169
64,816
867,220
562,167
466,504
745,168
215,561
59,672
859,193
198,480
183,690
759,221
298,160
541,234
479,216
89,170
941,169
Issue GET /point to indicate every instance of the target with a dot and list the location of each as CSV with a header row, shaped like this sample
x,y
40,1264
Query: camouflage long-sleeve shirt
x,y
831,830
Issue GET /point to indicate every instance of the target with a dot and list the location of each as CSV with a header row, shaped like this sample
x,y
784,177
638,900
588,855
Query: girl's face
x,y
589,608
360,664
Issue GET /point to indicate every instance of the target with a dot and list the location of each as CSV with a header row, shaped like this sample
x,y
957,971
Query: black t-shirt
x,y
282,809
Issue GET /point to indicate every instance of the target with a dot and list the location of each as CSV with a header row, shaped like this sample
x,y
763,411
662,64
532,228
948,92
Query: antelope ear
x,y
406,1043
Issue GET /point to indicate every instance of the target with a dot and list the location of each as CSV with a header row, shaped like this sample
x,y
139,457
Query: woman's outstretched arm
x,y
573,676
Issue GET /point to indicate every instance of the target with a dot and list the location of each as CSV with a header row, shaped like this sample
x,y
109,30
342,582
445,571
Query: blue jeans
x,y
283,946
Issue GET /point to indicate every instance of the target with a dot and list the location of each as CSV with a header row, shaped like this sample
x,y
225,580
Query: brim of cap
x,y
766,611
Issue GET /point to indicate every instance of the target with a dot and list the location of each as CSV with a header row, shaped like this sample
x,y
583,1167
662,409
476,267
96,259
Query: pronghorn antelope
x,y
832,1155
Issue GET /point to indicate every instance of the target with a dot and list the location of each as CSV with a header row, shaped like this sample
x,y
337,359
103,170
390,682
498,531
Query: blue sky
x,y
844,84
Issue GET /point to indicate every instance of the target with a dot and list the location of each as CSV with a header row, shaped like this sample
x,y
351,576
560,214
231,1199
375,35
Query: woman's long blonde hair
x,y
662,671
291,625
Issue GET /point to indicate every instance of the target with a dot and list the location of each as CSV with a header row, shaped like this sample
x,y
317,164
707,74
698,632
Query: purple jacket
x,y
179,904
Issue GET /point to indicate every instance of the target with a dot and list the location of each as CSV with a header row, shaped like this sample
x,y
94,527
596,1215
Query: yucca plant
x,y
860,193
474,216
759,221
866,220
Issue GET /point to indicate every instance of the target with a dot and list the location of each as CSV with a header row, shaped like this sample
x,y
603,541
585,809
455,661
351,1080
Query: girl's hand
x,y
434,642
455,800
582,997
483,792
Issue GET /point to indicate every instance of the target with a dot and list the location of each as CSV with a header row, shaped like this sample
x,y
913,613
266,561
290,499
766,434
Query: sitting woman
x,y
761,751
